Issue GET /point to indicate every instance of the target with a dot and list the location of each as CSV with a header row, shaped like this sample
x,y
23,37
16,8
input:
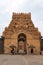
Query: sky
x,y
7,7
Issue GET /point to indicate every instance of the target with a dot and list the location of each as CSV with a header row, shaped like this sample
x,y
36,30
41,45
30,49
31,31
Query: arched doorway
x,y
22,43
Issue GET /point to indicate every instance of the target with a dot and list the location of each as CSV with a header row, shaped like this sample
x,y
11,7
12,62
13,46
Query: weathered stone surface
x,y
21,59
21,23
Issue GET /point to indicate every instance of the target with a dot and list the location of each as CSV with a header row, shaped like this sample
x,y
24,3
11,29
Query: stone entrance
x,y
22,43
22,33
32,50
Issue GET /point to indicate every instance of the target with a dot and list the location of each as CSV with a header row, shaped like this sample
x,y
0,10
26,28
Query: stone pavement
x,y
21,59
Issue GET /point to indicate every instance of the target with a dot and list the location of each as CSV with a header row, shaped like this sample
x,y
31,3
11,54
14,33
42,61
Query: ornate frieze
x,y
21,22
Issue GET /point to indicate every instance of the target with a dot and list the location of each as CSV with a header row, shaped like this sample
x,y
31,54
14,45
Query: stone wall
x,y
21,23
1,45
41,45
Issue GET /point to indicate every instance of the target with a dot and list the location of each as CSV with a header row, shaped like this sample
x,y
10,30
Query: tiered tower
x,y
21,23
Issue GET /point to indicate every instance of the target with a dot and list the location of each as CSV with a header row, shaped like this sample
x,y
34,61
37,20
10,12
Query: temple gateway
x,y
21,35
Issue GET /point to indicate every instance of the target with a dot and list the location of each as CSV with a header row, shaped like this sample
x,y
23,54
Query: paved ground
x,y
21,59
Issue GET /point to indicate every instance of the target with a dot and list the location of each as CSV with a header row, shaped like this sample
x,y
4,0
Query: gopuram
x,y
21,35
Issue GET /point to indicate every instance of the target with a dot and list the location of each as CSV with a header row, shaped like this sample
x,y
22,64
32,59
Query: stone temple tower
x,y
22,35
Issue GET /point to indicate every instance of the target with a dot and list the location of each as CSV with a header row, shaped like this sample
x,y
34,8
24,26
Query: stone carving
x,y
21,21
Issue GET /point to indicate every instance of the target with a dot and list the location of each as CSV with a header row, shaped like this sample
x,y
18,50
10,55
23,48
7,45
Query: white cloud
x,y
12,5
3,2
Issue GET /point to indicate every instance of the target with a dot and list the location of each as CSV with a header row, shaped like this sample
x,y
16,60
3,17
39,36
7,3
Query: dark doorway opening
x,y
22,43
32,50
